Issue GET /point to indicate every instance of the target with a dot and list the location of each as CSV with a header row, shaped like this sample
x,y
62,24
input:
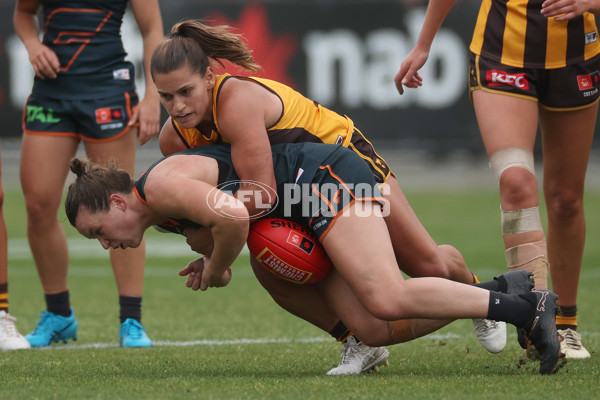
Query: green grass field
x,y
235,343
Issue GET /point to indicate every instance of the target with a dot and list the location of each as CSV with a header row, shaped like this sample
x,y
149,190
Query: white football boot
x,y
491,334
571,345
358,358
10,338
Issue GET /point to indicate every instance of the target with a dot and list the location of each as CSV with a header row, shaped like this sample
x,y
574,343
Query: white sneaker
x,y
571,345
358,358
10,338
491,334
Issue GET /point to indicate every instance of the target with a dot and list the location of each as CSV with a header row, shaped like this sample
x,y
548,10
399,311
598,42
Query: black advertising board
x,y
343,54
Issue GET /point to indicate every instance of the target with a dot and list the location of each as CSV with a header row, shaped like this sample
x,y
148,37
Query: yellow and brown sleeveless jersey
x,y
515,33
302,120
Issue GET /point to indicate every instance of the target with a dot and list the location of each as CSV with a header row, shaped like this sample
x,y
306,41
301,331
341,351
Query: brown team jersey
x,y
515,33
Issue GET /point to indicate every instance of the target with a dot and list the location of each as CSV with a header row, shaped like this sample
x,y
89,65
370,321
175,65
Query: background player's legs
x,y
509,143
567,141
10,338
44,168
128,265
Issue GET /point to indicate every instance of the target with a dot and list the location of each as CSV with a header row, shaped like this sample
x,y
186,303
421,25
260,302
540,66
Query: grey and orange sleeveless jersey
x,y
288,160
86,36
515,33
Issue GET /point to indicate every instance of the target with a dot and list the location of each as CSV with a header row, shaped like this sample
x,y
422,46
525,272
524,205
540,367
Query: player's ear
x,y
118,201
210,77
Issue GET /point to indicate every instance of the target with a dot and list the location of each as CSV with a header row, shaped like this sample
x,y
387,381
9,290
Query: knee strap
x,y
510,157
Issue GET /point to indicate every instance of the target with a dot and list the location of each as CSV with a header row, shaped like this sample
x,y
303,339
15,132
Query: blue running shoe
x,y
133,334
52,328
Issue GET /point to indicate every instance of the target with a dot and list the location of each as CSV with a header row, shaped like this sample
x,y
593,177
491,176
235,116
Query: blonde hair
x,y
194,43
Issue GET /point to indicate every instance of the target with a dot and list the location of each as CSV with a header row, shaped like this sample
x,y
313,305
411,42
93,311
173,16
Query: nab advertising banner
x,y
343,54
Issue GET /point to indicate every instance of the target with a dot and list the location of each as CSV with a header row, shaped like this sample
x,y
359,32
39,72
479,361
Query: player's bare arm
x,y
244,111
147,113
44,61
408,75
198,205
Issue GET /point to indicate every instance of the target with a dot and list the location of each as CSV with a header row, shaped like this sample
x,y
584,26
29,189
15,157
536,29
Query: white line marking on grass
x,y
156,246
219,342
169,270
190,343
237,342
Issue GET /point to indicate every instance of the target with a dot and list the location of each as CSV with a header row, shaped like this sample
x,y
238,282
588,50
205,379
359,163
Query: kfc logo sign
x,y
584,82
587,82
501,78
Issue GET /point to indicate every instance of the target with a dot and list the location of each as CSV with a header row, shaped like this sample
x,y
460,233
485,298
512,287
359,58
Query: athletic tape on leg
x,y
531,257
520,221
510,157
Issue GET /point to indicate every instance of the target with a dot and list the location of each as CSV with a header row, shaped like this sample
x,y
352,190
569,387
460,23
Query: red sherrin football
x,y
288,250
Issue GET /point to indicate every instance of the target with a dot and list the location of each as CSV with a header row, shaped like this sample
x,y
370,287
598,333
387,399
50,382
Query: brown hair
x,y
93,186
193,43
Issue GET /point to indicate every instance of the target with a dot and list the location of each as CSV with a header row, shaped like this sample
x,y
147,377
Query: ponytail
x,y
193,43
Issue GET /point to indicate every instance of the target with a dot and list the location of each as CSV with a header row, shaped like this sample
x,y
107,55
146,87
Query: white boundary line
x,y
189,343
219,342
237,342
156,246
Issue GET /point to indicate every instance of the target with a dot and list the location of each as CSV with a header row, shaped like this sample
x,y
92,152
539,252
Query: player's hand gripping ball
x,y
288,250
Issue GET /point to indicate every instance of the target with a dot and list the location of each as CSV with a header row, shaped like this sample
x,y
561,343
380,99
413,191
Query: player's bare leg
x,y
565,164
128,265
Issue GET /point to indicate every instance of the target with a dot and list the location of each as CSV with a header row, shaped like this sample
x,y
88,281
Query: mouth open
x,y
182,116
